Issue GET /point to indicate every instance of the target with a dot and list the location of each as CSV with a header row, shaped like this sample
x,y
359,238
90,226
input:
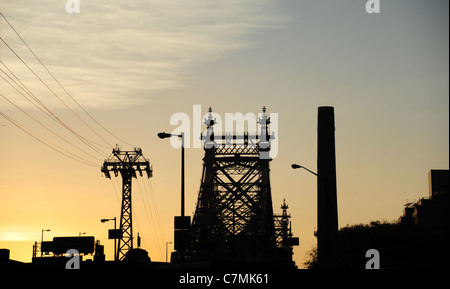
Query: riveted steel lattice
x,y
126,163
233,219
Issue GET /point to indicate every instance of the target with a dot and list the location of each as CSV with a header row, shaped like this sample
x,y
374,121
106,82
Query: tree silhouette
x,y
399,245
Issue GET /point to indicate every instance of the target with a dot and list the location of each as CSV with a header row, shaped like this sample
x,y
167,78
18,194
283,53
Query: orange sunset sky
x,y
133,64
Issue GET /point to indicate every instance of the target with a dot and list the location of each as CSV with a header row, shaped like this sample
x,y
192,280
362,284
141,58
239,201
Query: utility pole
x,y
126,163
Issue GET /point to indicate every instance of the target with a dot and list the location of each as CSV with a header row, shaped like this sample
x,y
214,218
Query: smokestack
x,y
327,217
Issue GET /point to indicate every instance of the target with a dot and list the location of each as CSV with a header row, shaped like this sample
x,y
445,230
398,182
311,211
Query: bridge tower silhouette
x,y
234,220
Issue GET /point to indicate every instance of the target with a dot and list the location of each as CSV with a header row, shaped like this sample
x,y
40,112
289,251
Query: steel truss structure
x,y
283,233
234,218
127,163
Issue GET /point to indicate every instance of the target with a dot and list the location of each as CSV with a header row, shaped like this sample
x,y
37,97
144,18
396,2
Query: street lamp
x,y
112,219
182,223
167,243
325,247
295,166
163,135
42,237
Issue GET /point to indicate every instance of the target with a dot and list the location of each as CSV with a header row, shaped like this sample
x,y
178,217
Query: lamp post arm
x,y
310,171
295,166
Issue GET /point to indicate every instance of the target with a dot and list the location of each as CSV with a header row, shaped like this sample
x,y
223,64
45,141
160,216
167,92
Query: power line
x,y
26,90
54,78
47,111
44,126
150,219
51,90
155,206
47,142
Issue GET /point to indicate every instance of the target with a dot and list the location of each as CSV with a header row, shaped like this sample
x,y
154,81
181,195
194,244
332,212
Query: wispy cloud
x,y
116,53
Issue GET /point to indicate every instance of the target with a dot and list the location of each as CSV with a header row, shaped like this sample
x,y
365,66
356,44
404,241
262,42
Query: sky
x,y
133,65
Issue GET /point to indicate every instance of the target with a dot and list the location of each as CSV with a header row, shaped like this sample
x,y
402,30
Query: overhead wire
x,y
46,127
24,89
158,228
62,87
44,108
139,227
115,191
53,92
155,205
47,142
151,221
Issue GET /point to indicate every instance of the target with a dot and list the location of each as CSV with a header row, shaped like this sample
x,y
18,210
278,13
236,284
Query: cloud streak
x,y
115,54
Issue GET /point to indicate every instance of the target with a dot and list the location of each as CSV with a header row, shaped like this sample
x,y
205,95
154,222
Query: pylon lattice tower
x,y
234,219
126,163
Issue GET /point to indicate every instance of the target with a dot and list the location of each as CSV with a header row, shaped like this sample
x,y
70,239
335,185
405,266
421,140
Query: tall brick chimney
x,y
327,215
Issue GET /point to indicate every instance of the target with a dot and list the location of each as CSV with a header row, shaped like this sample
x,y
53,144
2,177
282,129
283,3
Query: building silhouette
x,y
418,240
432,212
